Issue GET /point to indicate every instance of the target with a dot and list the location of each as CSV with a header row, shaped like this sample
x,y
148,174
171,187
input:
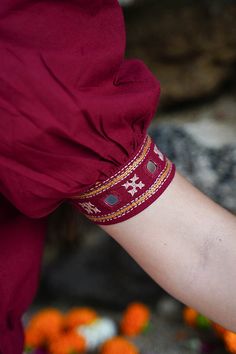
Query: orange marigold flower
x,y
190,316
118,345
68,343
45,325
135,318
79,316
230,341
33,338
220,331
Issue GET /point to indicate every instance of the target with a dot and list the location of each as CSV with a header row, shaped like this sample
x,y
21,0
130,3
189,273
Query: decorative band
x,y
131,189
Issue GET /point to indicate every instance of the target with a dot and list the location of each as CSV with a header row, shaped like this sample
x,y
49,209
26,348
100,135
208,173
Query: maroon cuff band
x,y
130,190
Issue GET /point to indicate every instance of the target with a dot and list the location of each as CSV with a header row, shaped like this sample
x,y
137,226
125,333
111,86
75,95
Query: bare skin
x,y
187,244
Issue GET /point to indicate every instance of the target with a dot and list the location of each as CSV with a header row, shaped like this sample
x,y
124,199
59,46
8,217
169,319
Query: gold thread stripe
x,y
140,200
120,177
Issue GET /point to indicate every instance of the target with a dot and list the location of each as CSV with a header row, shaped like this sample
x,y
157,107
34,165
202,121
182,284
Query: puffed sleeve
x,y
75,112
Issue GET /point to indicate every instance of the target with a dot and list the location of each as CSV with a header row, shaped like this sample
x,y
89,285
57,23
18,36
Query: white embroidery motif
x,y
158,152
90,208
133,184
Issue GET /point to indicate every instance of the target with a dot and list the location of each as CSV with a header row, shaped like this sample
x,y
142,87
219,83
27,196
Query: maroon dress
x,y
74,115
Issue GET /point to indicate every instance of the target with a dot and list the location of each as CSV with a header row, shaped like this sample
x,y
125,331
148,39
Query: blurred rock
x,y
211,170
126,2
194,345
189,46
203,148
169,308
100,273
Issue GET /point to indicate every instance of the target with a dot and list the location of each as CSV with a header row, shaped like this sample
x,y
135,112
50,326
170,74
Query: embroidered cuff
x,y
131,189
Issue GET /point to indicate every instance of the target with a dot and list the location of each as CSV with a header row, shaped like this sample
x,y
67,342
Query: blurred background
x,y
191,48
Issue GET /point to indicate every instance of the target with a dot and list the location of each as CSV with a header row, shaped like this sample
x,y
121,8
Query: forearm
x,y
187,244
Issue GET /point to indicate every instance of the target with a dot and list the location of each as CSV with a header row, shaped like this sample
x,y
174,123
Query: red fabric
x,y
73,112
21,249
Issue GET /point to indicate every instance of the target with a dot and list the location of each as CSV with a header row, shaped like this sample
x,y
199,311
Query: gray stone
x,y
203,149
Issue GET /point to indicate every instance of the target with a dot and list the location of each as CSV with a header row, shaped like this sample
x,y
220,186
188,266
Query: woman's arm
x,y
187,244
